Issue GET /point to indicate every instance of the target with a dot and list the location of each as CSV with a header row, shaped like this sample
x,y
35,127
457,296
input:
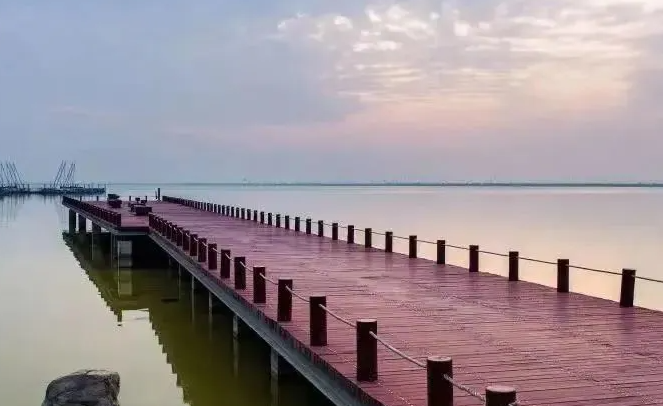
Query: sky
x,y
333,90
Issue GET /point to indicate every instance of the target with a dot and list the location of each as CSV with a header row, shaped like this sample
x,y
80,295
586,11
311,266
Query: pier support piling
x,y
82,224
279,367
72,221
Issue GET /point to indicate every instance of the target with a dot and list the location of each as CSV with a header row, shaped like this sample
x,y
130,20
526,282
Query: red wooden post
x,y
259,285
186,240
412,246
193,246
389,241
627,293
317,320
368,237
224,269
513,265
440,390
284,300
498,395
441,252
474,258
563,275
202,250
367,350
211,257
180,236
351,234
240,273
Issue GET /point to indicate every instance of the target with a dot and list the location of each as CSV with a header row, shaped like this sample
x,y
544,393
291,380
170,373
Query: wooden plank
x,y
562,349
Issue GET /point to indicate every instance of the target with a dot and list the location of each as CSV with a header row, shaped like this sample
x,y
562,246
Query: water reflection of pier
x,y
9,208
198,343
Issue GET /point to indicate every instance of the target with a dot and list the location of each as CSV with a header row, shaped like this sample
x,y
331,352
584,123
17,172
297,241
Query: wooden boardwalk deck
x,y
554,348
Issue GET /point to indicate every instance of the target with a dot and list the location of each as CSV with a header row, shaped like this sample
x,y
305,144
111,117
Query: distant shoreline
x,y
411,184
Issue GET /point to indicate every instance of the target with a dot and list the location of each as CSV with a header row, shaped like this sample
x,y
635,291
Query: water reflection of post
x,y
96,236
274,392
236,334
124,282
179,282
193,300
280,369
210,315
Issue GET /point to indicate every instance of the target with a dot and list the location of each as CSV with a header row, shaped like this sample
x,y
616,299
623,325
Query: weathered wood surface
x,y
554,348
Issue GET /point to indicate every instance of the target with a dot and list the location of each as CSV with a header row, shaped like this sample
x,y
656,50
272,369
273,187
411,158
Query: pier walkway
x,y
552,346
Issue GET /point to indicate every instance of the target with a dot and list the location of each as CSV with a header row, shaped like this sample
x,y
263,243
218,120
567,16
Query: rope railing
x,y
513,256
438,369
336,316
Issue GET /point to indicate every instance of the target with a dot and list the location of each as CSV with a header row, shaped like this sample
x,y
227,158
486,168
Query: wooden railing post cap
x,y
500,395
438,359
366,321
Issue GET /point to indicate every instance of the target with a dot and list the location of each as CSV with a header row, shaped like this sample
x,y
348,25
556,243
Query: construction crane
x,y
69,179
58,175
64,178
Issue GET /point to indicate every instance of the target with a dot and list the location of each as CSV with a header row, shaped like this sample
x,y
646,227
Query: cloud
x,y
565,56
489,87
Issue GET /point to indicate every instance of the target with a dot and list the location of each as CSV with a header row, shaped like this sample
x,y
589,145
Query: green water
x,y
64,307
59,309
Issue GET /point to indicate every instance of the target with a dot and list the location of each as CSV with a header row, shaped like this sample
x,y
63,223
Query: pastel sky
x,y
333,90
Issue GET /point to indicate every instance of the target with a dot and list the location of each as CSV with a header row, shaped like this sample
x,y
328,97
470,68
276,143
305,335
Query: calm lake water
x,y
62,307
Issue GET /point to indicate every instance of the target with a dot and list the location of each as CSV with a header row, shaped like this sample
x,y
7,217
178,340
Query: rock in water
x,y
90,387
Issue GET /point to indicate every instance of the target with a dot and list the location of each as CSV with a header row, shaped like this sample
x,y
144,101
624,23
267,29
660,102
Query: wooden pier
x,y
371,326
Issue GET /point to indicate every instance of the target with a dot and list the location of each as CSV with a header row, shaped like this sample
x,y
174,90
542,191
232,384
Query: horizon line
x,y
408,184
